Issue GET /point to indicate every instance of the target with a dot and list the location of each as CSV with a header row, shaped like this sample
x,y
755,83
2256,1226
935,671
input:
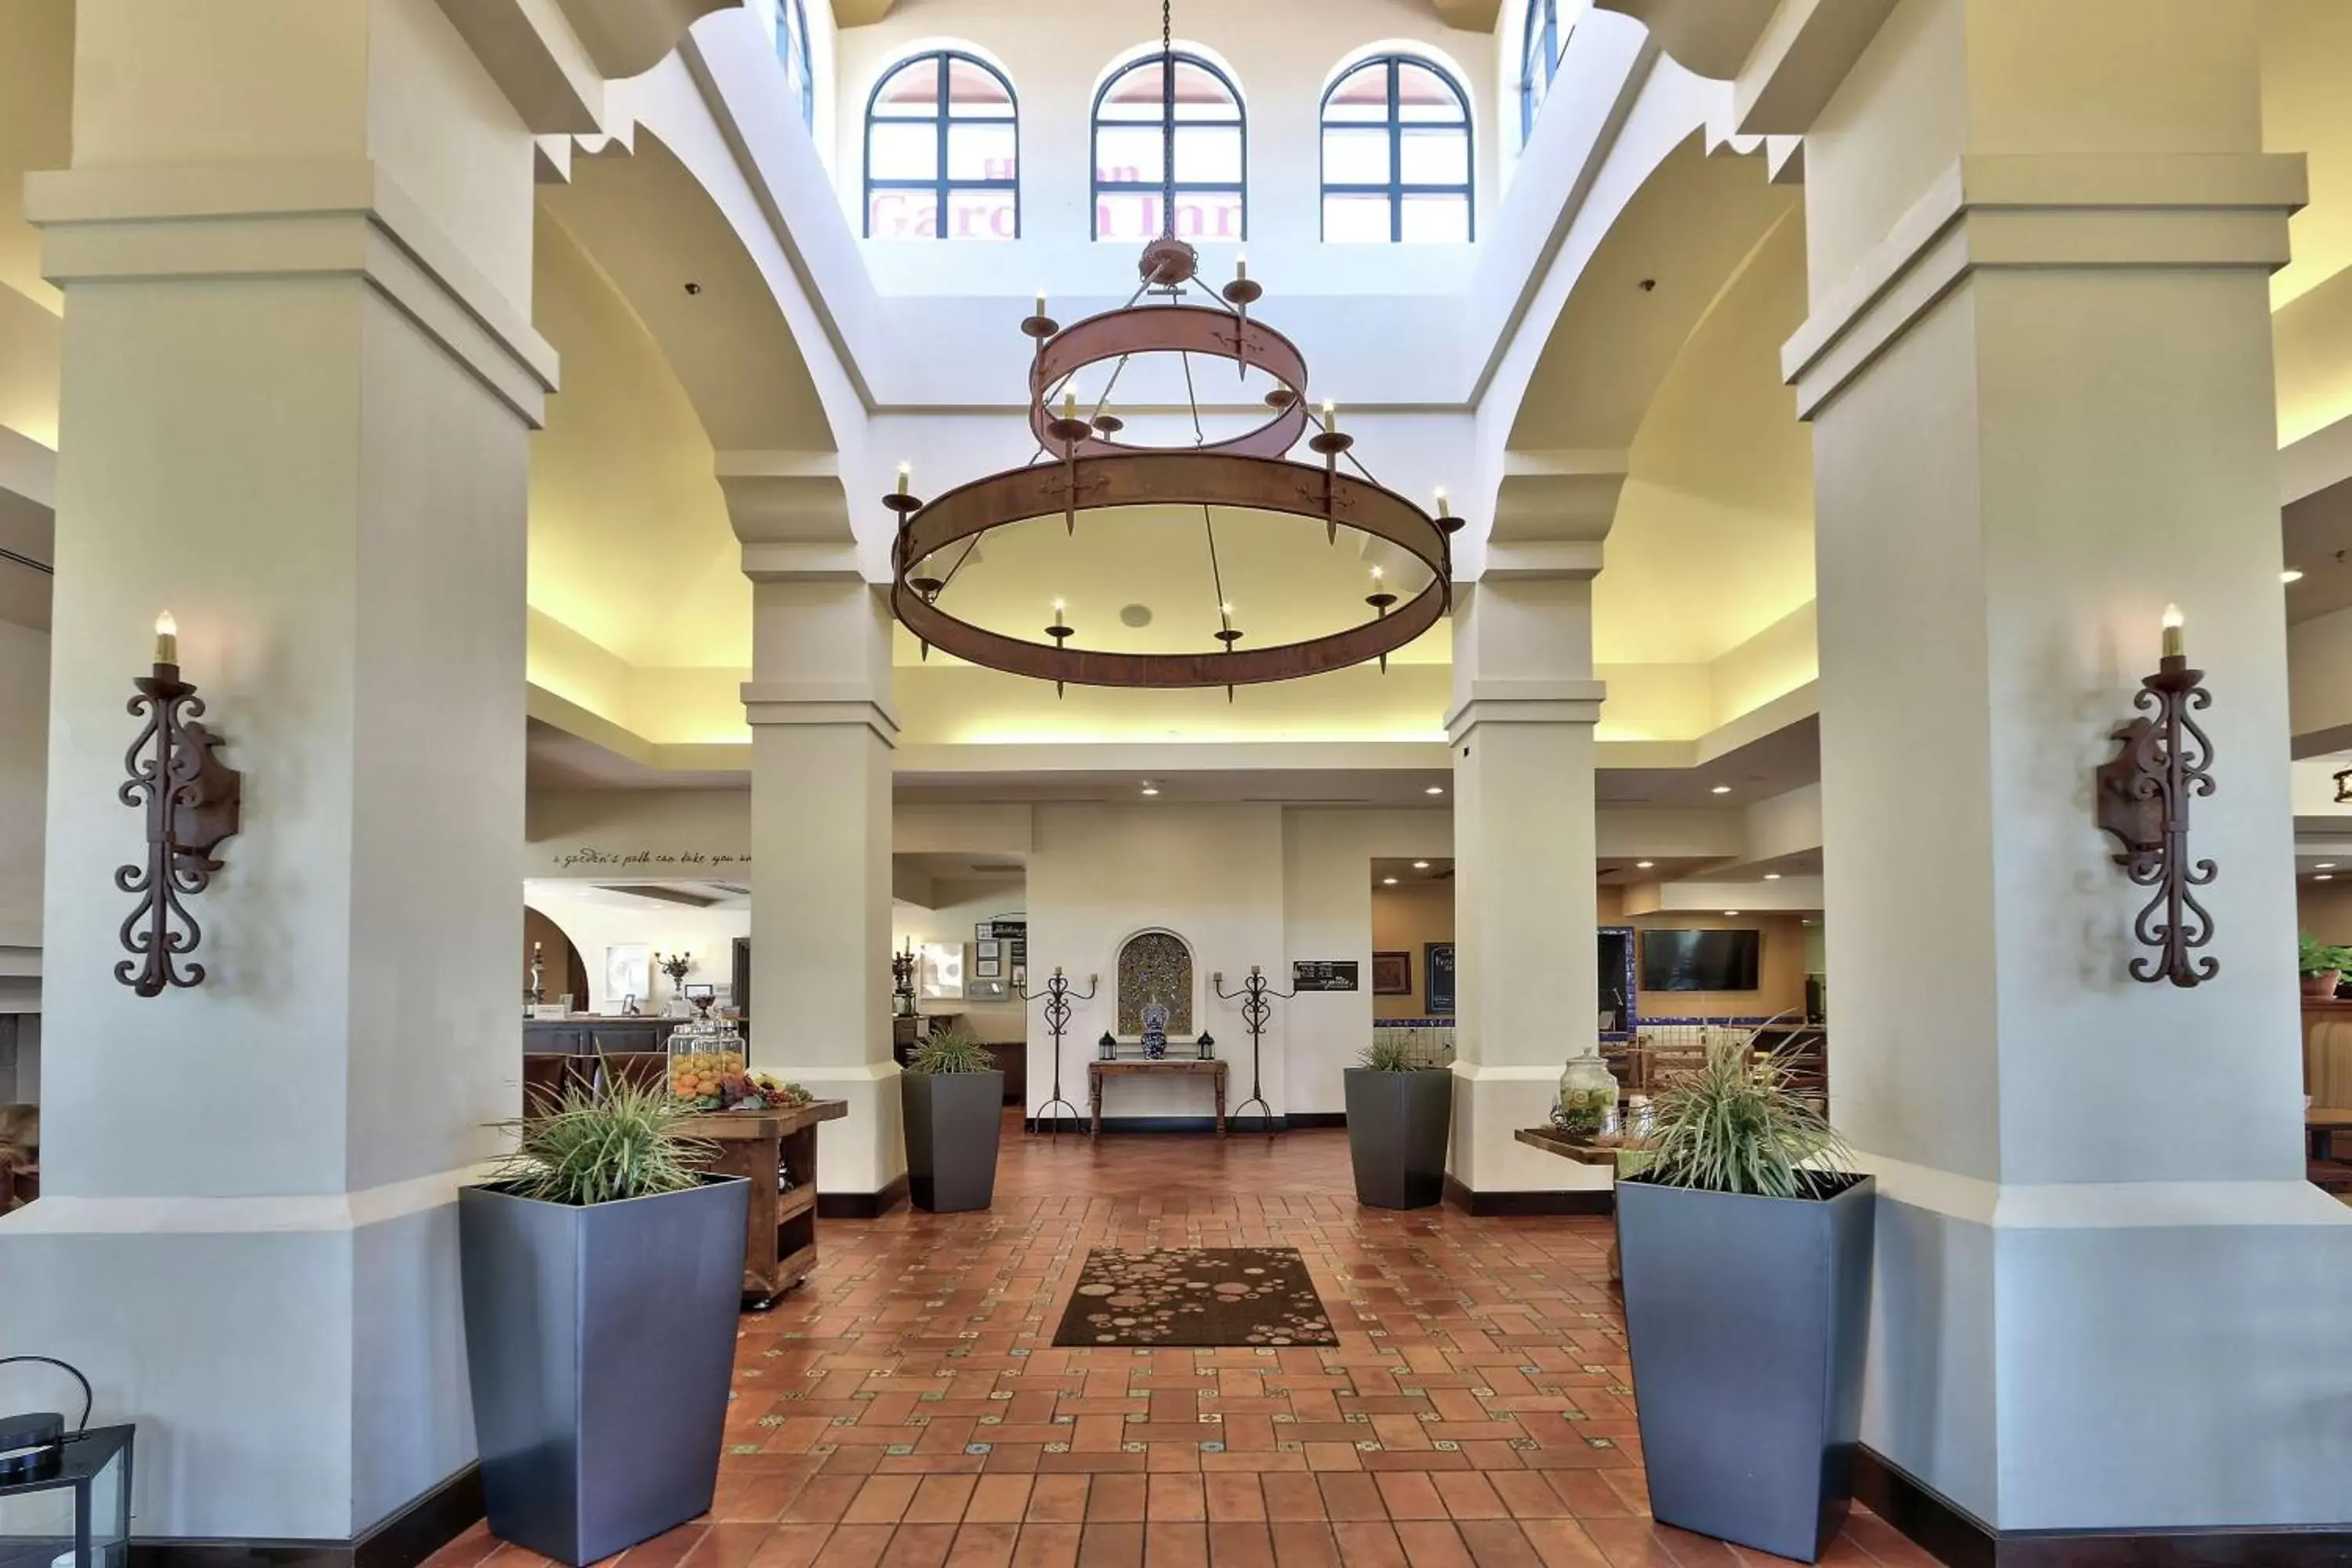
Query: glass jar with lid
x,y
707,1061
1588,1096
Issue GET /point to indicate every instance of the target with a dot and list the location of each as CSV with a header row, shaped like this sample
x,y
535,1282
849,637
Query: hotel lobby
x,y
1428,781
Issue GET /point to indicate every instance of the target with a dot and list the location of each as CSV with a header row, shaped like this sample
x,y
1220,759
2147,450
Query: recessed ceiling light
x,y
1388,881
1771,876
1150,788
1721,789
2323,877
2326,866
1421,865
2291,575
1434,789
1643,865
1731,914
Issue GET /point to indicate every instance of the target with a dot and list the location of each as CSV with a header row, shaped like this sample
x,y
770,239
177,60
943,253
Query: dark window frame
x,y
1532,61
793,28
1398,187
1240,121
944,118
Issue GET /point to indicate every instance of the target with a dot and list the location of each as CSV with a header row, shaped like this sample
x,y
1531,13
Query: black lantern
x,y
64,1498
1208,1043
1108,1046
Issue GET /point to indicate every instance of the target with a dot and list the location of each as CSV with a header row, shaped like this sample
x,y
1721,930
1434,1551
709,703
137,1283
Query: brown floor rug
x,y
1196,1296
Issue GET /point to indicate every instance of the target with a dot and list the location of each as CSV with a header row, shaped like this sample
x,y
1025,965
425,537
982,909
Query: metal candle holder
x,y
192,800
1058,998
1258,999
2164,760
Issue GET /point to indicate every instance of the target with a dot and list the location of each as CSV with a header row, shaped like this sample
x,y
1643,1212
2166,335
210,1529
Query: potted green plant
x,y
1746,1245
602,1272
953,1097
2321,965
1399,1115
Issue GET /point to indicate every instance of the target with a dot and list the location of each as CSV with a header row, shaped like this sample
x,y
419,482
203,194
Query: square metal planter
x,y
600,1342
1398,1123
953,1119
1747,1319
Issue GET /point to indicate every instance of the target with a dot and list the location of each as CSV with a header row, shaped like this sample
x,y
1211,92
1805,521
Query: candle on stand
x,y
1445,506
1069,405
1331,415
1041,302
1378,574
167,639
906,476
1241,265
2172,622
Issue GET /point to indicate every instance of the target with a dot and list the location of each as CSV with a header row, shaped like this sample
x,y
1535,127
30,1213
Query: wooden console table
x,y
1183,1067
1568,1146
780,1228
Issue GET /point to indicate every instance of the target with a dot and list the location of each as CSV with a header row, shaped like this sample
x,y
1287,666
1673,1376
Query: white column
x,y
298,384
823,730
1526,907
2039,372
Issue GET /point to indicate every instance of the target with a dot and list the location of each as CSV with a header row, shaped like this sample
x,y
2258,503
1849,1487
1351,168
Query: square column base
x,y
1486,1166
865,1155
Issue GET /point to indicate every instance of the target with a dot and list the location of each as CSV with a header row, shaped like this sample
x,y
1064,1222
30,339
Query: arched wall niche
x,y
1156,965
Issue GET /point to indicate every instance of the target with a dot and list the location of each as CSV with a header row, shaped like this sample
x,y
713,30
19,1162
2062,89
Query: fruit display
x,y
702,1076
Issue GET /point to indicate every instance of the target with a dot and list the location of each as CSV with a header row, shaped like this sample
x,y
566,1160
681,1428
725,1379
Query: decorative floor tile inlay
x,y
1200,1296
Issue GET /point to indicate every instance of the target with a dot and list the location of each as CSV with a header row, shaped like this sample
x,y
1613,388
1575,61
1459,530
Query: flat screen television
x,y
1699,959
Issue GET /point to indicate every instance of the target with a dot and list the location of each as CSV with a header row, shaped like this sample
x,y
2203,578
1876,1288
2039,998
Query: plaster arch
x,y
1185,1009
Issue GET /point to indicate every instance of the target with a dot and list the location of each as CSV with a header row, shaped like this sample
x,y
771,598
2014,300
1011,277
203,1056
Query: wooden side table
x,y
1098,1070
780,1228
1568,1146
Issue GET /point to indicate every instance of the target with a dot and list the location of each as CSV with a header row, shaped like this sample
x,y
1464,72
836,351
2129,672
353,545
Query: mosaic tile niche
x,y
1155,966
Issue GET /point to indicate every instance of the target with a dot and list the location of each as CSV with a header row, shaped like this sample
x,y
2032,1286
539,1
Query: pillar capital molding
x,y
2078,212
1524,702
790,513
327,218
829,702
1553,511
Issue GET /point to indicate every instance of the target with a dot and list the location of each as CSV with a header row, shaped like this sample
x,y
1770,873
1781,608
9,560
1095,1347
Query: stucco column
x,y
298,384
2038,367
823,730
1525,902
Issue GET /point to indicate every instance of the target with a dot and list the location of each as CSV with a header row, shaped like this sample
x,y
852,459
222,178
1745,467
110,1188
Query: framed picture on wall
x,y
1391,974
1437,968
985,968
628,971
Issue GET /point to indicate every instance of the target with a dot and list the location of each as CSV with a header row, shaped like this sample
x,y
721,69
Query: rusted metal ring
x,y
1174,329
1170,479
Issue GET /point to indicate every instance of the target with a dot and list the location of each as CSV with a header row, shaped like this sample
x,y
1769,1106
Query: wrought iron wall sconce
x,y
1057,998
1258,999
193,802
2163,761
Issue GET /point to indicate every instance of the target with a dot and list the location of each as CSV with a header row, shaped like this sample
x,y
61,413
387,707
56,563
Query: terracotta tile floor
x,y
906,1406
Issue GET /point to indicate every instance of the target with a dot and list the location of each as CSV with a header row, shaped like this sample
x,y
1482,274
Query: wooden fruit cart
x,y
772,1148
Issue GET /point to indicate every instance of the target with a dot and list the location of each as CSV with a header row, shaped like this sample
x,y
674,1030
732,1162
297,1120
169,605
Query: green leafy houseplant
x,y
1736,1125
2313,956
587,1148
951,1052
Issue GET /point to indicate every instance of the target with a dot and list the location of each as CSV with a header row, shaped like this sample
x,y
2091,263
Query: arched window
x,y
800,65
1396,154
1538,61
1132,115
943,152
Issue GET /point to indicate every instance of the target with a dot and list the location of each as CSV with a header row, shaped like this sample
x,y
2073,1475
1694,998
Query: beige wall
x,y
2324,910
1404,920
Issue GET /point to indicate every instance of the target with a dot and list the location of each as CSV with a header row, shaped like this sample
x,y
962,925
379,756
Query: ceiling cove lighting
x,y
1088,472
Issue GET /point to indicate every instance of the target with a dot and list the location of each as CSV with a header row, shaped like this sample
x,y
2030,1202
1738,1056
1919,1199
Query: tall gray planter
x,y
952,1122
1397,1126
600,1342
1747,1317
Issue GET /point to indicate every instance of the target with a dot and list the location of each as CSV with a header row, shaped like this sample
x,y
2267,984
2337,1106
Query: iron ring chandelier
x,y
1248,472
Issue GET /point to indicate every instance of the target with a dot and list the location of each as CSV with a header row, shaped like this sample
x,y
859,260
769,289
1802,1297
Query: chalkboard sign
x,y
1437,964
1323,974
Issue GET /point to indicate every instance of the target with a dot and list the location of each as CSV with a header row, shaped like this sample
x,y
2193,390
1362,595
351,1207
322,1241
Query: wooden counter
x,y
770,1148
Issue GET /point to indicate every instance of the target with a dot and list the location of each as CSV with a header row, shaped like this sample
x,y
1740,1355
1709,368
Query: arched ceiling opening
x,y
1714,537
1650,280
672,255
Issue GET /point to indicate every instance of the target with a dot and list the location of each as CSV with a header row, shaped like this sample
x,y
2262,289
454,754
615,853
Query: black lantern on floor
x,y
64,1498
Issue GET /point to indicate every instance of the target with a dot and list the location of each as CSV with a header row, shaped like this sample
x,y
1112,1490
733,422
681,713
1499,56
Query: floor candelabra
x,y
1258,999
1057,998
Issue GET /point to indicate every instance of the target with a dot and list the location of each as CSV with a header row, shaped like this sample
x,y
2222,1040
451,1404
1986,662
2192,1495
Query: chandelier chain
x,y
1167,123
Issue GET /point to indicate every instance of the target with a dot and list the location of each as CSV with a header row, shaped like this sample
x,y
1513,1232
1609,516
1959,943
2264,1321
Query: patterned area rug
x,y
1196,1296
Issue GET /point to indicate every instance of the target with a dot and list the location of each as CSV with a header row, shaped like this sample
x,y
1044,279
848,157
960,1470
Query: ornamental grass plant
x,y
584,1147
1736,1125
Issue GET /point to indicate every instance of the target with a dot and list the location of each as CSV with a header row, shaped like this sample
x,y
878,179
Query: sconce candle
x,y
191,801
2163,761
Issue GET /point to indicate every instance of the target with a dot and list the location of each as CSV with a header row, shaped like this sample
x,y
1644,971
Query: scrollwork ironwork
x,y
191,799
1057,998
2163,761
1257,998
